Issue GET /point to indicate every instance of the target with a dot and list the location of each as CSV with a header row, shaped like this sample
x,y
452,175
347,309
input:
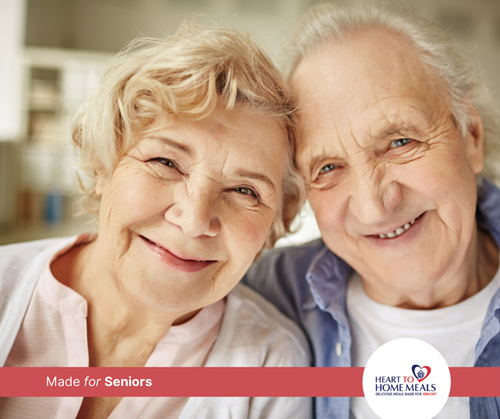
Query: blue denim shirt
x,y
308,284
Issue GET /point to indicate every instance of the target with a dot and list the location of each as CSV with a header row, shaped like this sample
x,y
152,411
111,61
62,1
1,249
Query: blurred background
x,y
52,52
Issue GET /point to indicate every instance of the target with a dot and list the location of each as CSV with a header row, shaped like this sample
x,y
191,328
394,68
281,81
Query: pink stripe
x,y
218,382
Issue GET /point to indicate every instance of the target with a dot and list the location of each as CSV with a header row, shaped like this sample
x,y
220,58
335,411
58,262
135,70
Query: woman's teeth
x,y
397,232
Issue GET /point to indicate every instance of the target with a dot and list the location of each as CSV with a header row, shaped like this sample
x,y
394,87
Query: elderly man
x,y
394,125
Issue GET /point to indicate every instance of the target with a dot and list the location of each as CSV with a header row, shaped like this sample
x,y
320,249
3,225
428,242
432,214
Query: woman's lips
x,y
177,262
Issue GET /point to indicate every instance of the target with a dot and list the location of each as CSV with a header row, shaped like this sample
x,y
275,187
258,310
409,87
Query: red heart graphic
x,y
428,369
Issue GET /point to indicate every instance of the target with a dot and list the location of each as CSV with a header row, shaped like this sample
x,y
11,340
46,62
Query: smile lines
x,y
398,231
186,259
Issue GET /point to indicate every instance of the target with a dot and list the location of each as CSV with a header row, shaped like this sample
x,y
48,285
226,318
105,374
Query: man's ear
x,y
475,141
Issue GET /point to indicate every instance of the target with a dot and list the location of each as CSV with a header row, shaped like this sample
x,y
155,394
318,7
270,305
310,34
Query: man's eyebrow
x,y
257,176
186,149
397,129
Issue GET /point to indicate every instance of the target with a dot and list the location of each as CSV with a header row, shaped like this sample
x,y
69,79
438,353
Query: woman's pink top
x,y
54,334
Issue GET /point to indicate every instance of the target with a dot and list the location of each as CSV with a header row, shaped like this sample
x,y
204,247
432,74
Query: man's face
x,y
390,178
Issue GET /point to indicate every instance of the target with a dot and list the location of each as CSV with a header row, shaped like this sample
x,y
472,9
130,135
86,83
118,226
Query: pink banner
x,y
216,382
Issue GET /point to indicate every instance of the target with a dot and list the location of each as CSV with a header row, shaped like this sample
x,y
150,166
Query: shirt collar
x,y
55,293
488,209
488,217
327,278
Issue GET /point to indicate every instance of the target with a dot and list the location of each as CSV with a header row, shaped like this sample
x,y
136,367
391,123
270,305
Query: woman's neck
x,y
121,330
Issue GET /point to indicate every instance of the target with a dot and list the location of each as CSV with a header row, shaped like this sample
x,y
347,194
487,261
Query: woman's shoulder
x,y
254,309
29,247
28,251
20,268
19,256
255,333
21,263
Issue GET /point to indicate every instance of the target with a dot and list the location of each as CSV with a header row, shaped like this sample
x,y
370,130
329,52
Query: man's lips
x,y
182,263
392,233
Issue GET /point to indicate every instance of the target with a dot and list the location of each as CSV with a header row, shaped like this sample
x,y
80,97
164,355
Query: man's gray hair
x,y
438,52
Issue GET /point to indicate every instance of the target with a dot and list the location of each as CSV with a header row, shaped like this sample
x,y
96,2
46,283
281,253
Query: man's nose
x,y
193,211
373,198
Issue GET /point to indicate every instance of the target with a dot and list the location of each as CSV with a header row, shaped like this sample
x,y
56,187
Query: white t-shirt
x,y
453,331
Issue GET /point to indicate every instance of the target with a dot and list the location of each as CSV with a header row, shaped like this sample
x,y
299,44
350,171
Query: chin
x,y
162,295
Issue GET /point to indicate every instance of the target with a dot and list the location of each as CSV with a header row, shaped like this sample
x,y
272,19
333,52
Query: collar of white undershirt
x,y
421,319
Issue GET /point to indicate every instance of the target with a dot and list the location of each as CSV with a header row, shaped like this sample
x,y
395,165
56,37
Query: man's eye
x,y
245,191
328,168
400,142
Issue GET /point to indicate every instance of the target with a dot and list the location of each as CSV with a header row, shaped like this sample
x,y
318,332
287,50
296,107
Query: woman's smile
x,y
181,263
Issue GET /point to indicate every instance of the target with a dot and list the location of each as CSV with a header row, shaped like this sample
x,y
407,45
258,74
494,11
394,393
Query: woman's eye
x,y
245,191
166,162
400,142
328,168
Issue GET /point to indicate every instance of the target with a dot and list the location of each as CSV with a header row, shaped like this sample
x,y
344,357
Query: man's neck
x,y
460,281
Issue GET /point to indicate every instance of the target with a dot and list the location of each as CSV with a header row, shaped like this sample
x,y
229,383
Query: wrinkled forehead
x,y
237,122
362,86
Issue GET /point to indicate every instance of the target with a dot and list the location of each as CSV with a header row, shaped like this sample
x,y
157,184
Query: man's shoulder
x,y
283,268
303,253
290,262
255,332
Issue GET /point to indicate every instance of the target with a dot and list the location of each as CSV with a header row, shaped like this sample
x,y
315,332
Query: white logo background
x,y
395,359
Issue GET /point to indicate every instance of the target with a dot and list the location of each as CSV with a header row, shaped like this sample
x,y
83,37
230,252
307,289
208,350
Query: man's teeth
x,y
397,232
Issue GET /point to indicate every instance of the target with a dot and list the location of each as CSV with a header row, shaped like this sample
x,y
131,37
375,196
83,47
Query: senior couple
x,y
196,154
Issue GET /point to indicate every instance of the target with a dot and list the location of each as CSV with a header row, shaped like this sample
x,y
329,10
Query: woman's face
x,y
188,208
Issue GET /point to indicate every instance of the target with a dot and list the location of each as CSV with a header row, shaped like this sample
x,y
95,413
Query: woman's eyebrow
x,y
183,147
257,176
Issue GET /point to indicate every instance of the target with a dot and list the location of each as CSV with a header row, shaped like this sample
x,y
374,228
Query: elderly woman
x,y
395,131
187,147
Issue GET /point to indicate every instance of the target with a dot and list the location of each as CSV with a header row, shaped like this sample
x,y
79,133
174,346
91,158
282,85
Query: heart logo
x,y
419,373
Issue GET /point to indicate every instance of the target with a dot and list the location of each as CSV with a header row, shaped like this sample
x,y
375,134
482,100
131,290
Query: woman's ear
x,y
99,187
475,141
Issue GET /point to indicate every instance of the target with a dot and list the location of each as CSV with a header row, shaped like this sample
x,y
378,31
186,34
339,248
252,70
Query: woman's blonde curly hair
x,y
186,75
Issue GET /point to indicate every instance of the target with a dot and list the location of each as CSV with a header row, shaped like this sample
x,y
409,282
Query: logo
x,y
419,373
396,387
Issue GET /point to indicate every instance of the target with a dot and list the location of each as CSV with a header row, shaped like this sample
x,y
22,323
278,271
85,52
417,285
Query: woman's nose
x,y
373,199
194,213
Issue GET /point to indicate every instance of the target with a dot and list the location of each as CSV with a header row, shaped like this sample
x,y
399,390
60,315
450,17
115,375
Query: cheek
x,y
135,198
329,209
246,236
447,181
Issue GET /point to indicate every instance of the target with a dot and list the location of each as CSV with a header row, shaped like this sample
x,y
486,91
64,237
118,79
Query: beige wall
x,y
106,25
12,39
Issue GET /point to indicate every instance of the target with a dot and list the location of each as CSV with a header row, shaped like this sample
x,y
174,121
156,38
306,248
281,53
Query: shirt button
x,y
338,349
